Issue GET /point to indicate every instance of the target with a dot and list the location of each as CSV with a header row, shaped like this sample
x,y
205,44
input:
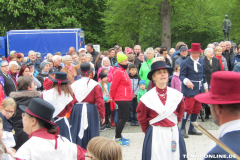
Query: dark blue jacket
x,y
187,71
232,140
36,64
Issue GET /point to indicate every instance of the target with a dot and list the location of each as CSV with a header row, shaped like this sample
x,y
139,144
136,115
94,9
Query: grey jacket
x,y
135,83
224,62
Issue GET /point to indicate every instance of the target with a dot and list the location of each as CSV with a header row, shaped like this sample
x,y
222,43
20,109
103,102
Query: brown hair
x,y
176,67
102,148
24,82
64,87
42,124
105,53
1,143
131,58
12,56
9,102
178,45
58,53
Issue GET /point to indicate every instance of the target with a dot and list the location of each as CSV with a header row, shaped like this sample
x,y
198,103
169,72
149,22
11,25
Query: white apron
x,y
81,88
162,137
59,102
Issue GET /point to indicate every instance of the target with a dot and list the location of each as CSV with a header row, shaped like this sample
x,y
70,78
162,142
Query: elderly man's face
x,y
83,59
57,63
137,49
89,49
32,56
13,69
195,55
228,46
223,45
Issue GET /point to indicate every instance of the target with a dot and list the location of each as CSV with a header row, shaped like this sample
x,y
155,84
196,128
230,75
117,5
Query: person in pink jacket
x,y
121,92
176,83
106,64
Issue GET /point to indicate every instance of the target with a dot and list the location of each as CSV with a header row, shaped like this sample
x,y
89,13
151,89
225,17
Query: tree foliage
x,y
47,14
123,22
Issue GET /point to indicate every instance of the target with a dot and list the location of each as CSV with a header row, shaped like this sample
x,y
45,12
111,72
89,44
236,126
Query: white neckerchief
x,y
195,63
229,127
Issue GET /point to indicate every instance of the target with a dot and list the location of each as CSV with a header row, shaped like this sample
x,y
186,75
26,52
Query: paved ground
x,y
196,145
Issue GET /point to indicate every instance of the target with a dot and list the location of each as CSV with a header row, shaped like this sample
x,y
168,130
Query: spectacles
x,y
5,66
86,155
9,112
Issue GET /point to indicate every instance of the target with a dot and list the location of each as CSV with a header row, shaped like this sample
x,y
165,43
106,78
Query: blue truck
x,y
42,40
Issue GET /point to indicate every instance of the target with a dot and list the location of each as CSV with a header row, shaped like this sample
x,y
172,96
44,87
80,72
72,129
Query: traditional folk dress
x,y
62,104
7,137
43,145
159,111
84,118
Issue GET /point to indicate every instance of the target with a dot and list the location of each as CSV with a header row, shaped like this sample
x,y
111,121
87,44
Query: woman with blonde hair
x,y
101,148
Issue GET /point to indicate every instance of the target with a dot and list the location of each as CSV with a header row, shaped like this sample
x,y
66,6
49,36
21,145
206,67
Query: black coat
x,y
94,55
21,98
209,69
9,85
41,77
138,63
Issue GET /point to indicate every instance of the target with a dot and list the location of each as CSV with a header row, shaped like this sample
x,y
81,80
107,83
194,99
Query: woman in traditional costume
x,y
62,98
159,111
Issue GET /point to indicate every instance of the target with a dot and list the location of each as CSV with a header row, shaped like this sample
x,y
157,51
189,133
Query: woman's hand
x,y
102,121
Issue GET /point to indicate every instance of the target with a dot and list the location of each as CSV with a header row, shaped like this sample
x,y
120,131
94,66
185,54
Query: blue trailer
x,y
44,40
3,47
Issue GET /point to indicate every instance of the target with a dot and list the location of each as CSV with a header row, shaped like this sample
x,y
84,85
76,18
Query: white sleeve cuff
x,y
205,85
185,81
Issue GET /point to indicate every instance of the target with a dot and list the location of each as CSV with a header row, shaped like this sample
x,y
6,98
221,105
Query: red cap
x,y
129,50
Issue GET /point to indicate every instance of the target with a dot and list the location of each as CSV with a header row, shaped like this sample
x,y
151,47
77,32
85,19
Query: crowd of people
x,y
68,100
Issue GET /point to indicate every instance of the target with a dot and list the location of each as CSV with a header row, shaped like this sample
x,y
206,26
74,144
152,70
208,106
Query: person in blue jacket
x,y
225,109
192,74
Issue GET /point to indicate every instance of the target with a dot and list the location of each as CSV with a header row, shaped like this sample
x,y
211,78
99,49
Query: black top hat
x,y
60,77
157,66
40,109
102,75
85,69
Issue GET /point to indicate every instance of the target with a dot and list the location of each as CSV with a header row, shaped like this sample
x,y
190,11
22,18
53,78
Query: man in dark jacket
x,y
192,74
225,54
92,51
33,59
163,52
182,57
231,55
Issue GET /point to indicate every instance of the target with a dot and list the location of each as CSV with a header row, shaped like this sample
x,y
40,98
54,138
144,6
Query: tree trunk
x,y
165,13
